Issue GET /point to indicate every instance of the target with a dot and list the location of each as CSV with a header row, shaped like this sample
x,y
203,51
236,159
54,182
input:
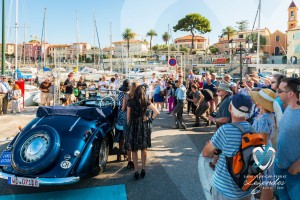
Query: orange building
x,y
200,43
278,43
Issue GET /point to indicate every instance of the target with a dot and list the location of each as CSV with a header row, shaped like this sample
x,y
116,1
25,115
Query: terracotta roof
x,y
189,37
292,5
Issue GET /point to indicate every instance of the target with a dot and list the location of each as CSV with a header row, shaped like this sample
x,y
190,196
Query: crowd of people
x,y
270,106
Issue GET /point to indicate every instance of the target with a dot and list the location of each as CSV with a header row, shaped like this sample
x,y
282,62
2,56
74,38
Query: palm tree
x,y
166,37
150,34
127,35
229,31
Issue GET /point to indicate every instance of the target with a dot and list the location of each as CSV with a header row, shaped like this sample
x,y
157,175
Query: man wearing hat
x,y
222,115
4,91
228,139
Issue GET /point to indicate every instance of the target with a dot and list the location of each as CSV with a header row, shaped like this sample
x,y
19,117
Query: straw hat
x,y
264,97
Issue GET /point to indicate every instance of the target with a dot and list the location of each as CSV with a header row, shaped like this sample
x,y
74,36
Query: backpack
x,y
241,165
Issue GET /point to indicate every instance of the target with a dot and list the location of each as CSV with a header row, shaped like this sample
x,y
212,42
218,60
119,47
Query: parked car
x,y
61,145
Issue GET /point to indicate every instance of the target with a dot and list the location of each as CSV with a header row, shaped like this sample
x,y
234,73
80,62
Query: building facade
x,y
293,34
200,43
135,47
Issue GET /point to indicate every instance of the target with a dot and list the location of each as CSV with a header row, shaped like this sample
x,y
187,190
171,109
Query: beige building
x,y
200,43
240,38
60,51
135,47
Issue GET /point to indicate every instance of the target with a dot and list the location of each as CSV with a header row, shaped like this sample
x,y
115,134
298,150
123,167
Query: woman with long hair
x,y
127,97
139,122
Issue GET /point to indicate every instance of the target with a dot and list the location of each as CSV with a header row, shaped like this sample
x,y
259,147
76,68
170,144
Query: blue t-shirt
x,y
288,141
157,89
228,139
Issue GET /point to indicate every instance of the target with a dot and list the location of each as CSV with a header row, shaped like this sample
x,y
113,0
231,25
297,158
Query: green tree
x,y
254,39
184,49
155,47
242,25
151,34
228,31
127,35
193,22
213,49
166,37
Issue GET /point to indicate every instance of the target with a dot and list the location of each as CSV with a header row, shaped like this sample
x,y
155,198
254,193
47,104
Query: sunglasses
x,y
280,91
273,82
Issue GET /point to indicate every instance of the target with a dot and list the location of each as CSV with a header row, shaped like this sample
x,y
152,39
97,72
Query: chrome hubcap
x,y
34,148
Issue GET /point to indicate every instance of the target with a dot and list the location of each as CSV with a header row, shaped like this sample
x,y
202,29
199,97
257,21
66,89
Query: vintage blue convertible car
x,y
61,145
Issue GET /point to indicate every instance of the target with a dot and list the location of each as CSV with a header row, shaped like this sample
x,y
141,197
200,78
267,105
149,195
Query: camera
x,y
213,114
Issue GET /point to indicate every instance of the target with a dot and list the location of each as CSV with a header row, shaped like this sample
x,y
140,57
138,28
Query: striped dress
x,y
228,139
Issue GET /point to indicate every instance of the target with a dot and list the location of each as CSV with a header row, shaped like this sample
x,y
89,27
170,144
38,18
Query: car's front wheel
x,y
103,154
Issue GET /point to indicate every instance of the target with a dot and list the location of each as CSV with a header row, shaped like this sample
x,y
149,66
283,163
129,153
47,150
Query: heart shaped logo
x,y
263,156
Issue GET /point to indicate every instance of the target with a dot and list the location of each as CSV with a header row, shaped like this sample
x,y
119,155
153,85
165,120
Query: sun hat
x,y
224,86
125,87
3,76
242,102
264,97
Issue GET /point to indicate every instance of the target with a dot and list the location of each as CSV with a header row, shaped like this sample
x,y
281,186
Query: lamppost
x,y
231,45
248,46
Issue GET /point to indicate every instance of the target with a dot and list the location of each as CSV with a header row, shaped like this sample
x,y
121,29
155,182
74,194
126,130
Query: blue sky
x,y
139,15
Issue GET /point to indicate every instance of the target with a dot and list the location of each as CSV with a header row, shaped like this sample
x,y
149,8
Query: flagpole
x,y
3,37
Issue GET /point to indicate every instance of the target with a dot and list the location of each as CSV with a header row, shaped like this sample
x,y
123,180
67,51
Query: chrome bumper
x,y
48,181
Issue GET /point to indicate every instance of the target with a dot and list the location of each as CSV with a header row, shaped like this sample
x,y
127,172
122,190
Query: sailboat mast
x,y
77,38
16,36
111,67
45,37
24,54
94,50
3,38
168,42
258,37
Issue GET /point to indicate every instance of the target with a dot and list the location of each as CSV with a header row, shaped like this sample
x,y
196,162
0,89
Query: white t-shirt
x,y
4,89
102,85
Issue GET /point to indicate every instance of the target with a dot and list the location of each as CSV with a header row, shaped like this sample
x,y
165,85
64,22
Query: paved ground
x,y
174,168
